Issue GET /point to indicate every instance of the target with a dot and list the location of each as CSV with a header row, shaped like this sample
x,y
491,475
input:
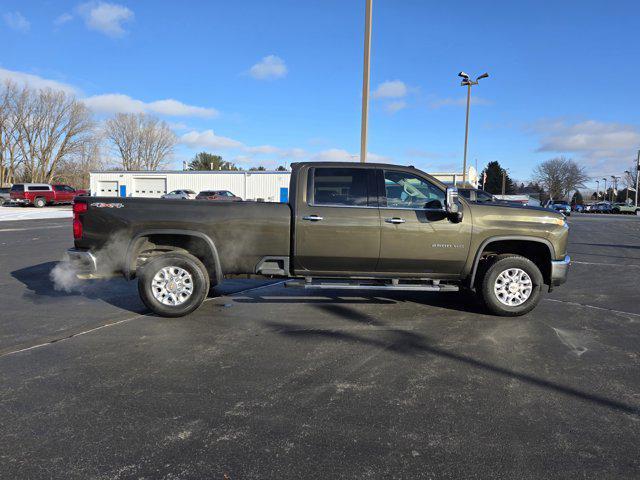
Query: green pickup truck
x,y
346,226
628,208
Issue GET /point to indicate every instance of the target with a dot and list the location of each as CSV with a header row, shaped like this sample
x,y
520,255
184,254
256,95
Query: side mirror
x,y
452,207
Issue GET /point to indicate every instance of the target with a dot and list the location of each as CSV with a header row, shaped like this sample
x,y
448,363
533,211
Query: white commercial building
x,y
249,185
268,186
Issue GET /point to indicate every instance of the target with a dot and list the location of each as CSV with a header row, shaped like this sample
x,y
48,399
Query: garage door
x,y
107,188
149,187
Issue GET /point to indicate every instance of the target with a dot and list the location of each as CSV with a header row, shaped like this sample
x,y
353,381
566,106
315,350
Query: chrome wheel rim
x,y
172,285
513,287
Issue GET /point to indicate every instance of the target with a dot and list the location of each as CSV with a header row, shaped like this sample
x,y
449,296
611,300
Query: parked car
x,y
627,208
41,194
346,225
224,195
559,206
577,208
476,195
180,194
5,194
603,207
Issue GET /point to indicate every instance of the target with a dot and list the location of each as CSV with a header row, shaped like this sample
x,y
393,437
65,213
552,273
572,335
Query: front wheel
x,y
39,202
173,284
511,286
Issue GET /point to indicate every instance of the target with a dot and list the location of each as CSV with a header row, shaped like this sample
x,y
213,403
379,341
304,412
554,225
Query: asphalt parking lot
x,y
269,382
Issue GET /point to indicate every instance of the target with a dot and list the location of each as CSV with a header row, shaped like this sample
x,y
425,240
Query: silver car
x,y
4,195
183,194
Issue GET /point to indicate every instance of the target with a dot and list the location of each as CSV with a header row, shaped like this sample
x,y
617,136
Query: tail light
x,y
78,209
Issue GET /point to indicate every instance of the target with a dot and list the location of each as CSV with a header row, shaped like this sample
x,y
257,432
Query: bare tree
x,y
559,176
142,142
12,102
74,170
54,126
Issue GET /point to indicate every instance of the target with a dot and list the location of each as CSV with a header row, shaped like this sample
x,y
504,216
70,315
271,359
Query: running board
x,y
363,285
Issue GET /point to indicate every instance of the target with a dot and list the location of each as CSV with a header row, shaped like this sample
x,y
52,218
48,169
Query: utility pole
x,y
637,176
466,81
365,81
504,181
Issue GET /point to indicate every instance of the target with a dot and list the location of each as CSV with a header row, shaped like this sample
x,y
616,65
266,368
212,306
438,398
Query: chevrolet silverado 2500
x,y
347,225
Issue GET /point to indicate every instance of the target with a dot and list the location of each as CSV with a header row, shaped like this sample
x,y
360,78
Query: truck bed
x,y
242,232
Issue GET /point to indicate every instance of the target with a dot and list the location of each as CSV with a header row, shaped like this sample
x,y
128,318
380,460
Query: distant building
x,y
269,186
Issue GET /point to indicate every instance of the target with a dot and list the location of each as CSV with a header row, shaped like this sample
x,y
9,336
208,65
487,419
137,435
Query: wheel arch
x,y
208,254
521,242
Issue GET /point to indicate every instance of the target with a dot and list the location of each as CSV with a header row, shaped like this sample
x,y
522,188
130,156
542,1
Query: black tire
x,y
199,282
39,202
500,264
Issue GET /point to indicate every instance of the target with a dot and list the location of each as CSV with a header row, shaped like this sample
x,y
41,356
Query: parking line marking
x,y
34,228
592,306
111,324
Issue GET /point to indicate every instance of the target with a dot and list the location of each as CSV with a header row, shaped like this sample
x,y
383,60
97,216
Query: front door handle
x,y
312,218
395,220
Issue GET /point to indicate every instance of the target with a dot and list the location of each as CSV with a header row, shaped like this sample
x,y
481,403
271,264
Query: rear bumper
x,y
83,261
559,270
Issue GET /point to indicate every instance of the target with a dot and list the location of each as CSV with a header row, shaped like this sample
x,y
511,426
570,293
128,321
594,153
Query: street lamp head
x,y
463,75
484,75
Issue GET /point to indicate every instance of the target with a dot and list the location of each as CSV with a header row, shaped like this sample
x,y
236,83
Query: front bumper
x,y
559,270
20,201
83,262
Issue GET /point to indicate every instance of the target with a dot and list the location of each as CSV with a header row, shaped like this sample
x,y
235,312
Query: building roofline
x,y
164,172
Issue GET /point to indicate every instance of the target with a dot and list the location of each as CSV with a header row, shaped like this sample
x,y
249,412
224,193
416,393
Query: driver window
x,y
405,190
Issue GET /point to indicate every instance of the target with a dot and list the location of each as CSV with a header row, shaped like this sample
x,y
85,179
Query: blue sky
x,y
279,81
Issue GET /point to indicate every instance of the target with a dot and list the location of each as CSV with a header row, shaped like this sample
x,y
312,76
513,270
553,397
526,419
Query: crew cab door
x,y
416,235
337,223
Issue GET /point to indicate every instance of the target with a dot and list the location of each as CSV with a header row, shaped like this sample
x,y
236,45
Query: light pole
x,y
597,190
605,189
365,81
466,81
637,176
614,189
628,177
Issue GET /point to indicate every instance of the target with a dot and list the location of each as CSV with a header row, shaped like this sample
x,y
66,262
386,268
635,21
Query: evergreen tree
x,y
493,184
577,198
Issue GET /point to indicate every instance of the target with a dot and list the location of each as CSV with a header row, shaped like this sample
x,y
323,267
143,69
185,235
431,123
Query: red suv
x,y
41,194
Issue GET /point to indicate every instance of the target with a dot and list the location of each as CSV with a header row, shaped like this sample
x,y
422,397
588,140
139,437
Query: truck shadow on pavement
x,y
116,291
411,343
459,301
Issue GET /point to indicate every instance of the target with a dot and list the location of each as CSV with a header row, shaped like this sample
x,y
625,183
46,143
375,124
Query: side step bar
x,y
395,285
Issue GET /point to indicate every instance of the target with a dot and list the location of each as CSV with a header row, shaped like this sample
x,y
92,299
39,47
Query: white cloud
x,y
107,18
34,81
391,89
208,139
62,19
339,155
16,21
598,144
459,102
393,107
269,68
111,103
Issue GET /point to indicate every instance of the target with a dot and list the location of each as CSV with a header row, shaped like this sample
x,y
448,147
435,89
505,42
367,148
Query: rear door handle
x,y
312,218
395,220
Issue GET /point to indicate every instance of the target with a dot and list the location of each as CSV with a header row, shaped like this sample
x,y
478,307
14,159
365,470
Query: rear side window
x,y
39,188
17,188
4,190
340,186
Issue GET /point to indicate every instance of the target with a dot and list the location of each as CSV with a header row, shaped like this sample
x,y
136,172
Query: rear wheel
x,y
39,202
173,284
511,286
